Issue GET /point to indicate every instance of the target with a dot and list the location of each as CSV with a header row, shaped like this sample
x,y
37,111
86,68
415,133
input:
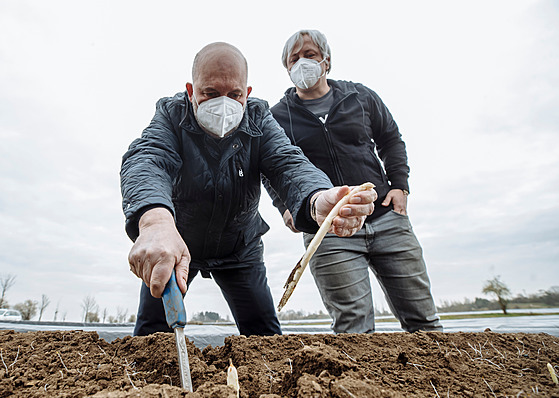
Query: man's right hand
x,y
351,216
158,250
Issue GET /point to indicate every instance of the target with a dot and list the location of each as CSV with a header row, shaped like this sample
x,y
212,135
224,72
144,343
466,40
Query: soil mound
x,y
434,364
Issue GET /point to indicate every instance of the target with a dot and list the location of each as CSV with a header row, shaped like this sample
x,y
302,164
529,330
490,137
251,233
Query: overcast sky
x,y
473,86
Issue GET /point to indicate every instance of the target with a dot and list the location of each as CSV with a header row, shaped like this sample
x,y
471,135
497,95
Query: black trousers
x,y
245,290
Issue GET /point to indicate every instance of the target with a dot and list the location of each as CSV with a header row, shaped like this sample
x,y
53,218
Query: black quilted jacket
x,y
212,186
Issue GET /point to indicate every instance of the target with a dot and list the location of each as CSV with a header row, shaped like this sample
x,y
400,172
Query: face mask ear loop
x,y
326,70
195,100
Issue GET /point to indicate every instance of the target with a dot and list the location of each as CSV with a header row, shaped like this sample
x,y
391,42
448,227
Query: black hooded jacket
x,y
211,185
358,127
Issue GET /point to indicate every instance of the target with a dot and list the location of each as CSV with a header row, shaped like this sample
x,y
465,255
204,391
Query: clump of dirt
x,y
434,364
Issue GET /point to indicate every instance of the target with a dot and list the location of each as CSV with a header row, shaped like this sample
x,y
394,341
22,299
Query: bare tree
x,y
56,311
45,301
93,316
105,313
496,287
121,314
89,306
28,309
6,282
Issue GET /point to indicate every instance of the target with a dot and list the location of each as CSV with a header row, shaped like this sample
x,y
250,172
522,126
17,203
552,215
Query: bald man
x,y
191,189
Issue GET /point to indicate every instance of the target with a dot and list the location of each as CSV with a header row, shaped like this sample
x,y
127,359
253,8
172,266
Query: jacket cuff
x,y
132,228
304,222
399,183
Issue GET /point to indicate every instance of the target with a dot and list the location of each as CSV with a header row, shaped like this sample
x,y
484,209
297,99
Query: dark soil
x,y
78,364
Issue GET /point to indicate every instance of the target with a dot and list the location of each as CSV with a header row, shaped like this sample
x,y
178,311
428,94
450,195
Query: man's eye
x,y
234,95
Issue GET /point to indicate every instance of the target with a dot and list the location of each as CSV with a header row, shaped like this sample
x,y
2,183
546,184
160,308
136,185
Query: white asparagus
x,y
297,272
552,373
233,378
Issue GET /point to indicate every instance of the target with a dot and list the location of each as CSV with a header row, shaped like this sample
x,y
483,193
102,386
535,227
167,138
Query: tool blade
x,y
184,366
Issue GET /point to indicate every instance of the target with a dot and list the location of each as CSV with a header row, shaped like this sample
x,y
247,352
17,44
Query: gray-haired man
x,y
340,126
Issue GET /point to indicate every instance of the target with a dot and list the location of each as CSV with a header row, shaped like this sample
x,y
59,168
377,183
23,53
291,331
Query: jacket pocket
x,y
258,228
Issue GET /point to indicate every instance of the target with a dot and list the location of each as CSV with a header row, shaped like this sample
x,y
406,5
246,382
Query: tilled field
x,y
77,364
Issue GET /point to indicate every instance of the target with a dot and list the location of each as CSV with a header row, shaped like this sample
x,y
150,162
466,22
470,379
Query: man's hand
x,y
351,216
158,250
288,221
399,201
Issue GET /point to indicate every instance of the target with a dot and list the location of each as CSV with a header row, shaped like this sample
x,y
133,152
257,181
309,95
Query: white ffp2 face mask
x,y
306,72
219,115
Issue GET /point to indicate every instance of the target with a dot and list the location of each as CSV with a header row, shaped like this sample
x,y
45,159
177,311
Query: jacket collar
x,y
190,123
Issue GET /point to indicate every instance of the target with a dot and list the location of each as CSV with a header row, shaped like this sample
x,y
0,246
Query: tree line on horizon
x,y
494,287
30,308
504,301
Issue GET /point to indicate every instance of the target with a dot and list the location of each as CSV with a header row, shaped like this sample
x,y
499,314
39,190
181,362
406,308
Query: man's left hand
x,y
398,199
351,217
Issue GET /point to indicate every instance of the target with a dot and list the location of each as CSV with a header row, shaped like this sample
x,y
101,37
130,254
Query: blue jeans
x,y
389,247
245,290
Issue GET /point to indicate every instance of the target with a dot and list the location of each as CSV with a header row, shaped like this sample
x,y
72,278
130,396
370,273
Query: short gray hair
x,y
295,42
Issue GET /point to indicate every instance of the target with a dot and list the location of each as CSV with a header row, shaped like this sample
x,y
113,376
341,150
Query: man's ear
x,y
249,90
189,90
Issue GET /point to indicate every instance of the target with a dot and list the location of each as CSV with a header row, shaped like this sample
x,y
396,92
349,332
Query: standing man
x,y
191,189
340,126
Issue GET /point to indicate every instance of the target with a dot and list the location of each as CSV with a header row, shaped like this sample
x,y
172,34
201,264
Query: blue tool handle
x,y
173,304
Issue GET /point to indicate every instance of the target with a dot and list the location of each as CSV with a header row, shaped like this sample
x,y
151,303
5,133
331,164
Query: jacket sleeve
x,y
275,197
391,148
149,168
291,176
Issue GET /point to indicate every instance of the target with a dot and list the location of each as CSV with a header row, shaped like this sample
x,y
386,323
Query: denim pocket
x,y
399,214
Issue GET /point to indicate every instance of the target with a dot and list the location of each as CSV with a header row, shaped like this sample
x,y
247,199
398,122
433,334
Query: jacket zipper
x,y
331,149
333,155
239,169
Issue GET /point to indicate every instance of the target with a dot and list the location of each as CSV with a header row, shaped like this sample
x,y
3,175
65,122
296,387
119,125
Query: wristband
x,y
313,208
